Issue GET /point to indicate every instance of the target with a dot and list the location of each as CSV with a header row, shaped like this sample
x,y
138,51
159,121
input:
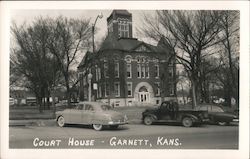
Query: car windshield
x,y
106,107
217,109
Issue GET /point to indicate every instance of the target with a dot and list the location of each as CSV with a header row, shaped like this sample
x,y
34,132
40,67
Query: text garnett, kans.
x,y
113,141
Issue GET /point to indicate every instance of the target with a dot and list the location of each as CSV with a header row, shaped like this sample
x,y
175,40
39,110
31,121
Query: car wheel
x,y
61,121
114,126
148,120
187,122
222,123
97,127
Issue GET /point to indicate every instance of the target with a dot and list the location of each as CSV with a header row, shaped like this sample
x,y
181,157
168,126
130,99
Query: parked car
x,y
169,112
96,114
217,115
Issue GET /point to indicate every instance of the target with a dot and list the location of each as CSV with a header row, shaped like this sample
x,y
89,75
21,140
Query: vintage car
x,y
168,112
96,114
217,115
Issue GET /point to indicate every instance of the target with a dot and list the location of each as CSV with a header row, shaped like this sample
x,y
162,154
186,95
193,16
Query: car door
x,y
87,114
164,113
76,114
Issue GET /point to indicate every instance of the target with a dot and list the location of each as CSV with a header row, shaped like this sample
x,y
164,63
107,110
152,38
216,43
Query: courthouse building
x,y
126,71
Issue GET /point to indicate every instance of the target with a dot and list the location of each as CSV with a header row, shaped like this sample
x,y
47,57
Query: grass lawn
x,y
134,113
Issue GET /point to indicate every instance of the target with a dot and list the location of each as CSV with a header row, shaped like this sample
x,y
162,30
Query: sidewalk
x,y
33,122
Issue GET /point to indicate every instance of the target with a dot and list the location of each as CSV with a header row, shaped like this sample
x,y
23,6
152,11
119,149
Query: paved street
x,y
128,136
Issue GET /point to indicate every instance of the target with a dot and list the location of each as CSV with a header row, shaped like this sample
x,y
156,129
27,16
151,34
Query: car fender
x,y
193,117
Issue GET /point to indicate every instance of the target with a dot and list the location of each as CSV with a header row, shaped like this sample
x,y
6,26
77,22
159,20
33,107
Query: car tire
x,y
148,120
222,123
187,122
114,126
97,127
61,121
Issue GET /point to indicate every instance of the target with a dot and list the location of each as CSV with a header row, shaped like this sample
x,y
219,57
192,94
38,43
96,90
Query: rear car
x,y
217,115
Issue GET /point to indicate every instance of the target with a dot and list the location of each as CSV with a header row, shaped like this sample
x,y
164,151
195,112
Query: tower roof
x,y
119,12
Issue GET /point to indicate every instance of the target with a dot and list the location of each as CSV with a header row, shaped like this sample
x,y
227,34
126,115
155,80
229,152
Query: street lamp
x,y
93,30
89,81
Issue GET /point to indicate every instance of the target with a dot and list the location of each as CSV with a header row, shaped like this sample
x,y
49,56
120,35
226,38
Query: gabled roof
x,y
125,44
86,59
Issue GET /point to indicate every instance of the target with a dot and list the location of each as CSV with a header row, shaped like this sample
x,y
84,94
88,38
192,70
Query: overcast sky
x,y
21,16
27,16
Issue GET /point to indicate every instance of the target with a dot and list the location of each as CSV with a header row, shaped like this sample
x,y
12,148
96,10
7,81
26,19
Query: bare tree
x,y
32,59
67,40
230,43
187,34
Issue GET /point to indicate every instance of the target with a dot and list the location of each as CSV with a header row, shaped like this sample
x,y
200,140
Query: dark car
x,y
217,115
168,112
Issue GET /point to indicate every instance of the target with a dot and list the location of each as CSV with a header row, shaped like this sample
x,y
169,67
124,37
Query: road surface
x,y
130,136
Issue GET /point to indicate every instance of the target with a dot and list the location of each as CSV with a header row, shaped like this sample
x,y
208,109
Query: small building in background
x,y
126,71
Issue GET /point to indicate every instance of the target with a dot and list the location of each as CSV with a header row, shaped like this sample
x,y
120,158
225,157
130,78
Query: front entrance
x,y
143,95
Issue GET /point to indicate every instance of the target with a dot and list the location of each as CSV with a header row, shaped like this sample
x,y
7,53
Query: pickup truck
x,y
168,112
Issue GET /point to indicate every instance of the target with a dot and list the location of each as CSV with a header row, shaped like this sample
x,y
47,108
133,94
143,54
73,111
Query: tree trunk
x,y
194,100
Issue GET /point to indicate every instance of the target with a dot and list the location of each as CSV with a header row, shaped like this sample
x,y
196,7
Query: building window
x,y
170,72
106,89
157,86
143,71
129,71
157,71
123,28
128,59
157,101
105,65
116,69
100,91
129,88
139,70
110,27
147,71
171,62
117,89
171,88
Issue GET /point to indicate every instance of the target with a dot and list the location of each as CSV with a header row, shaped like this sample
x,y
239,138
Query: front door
x,y
143,95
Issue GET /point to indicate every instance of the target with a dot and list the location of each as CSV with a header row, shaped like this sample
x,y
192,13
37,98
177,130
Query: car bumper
x,y
117,122
235,120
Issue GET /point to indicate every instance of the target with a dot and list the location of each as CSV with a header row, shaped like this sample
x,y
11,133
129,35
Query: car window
x,y
216,109
203,108
79,106
106,107
88,107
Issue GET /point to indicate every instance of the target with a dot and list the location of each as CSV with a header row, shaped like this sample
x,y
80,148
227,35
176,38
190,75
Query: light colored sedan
x,y
91,113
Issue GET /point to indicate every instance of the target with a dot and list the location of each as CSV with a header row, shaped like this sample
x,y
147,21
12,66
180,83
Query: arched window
x,y
128,59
